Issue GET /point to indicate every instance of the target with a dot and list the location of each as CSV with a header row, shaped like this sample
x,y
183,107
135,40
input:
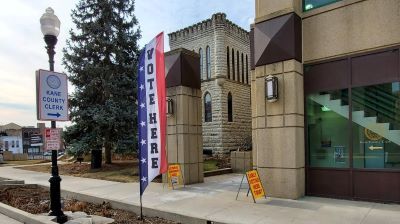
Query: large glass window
x,y
327,126
207,108
368,125
312,4
376,126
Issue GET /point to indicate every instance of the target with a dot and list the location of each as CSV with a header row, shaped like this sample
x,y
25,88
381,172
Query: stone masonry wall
x,y
218,33
240,128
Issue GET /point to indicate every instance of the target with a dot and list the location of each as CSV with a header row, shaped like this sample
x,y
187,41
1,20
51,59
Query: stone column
x,y
279,126
184,131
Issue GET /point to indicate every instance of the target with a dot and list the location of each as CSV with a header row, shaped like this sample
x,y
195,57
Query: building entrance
x,y
353,127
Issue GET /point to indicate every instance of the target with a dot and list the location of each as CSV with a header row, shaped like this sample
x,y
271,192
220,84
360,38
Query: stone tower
x,y
224,50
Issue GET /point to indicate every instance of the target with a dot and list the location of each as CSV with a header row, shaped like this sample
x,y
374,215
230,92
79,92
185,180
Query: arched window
x,y
242,68
208,62
233,64
207,108
230,108
228,66
247,70
201,63
238,66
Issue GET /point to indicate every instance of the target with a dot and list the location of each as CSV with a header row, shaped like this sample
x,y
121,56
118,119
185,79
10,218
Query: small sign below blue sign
x,y
52,96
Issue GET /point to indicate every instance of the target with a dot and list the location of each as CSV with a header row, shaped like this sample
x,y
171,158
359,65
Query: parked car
x,y
47,153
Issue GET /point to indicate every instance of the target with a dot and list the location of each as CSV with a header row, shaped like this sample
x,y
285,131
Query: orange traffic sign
x,y
256,187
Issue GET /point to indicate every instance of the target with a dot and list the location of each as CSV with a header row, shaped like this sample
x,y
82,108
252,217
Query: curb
x,y
218,172
12,182
136,209
22,216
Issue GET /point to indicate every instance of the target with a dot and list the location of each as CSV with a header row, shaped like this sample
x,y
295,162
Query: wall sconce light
x,y
271,88
170,107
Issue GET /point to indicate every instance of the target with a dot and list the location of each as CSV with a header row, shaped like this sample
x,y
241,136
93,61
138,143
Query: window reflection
x,y
374,118
376,126
327,123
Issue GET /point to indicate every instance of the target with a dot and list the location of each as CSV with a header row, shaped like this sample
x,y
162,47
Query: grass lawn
x,y
120,171
210,164
124,171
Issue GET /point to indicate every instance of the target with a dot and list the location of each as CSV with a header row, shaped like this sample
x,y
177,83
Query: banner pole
x,y
140,187
141,208
140,191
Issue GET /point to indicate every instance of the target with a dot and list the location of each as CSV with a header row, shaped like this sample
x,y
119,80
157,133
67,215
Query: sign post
x,y
52,96
52,139
52,105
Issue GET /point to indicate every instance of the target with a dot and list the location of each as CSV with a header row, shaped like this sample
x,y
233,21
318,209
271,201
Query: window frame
x,y
238,65
344,72
242,60
208,62
233,65
230,107
207,114
228,65
247,70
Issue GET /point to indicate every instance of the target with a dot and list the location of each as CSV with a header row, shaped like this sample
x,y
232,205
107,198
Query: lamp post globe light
x,y
50,26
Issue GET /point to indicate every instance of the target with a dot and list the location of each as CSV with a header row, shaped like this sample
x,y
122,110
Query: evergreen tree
x,y
101,58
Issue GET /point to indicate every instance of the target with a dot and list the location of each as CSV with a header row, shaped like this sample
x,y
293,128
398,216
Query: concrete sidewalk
x,y
6,220
215,200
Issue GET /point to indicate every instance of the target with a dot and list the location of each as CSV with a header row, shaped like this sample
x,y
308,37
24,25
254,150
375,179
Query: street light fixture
x,y
50,26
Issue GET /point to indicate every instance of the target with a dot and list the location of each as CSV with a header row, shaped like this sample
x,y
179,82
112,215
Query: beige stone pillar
x,y
278,127
184,130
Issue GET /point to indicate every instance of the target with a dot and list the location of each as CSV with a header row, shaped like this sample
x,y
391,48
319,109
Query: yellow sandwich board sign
x,y
174,175
257,190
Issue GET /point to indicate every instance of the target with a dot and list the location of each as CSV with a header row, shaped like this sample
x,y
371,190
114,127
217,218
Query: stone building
x,y
224,50
334,129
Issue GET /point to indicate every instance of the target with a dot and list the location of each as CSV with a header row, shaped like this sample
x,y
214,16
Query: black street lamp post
x,y
50,26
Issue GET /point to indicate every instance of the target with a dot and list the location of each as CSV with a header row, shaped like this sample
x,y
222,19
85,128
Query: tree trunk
x,y
96,159
107,153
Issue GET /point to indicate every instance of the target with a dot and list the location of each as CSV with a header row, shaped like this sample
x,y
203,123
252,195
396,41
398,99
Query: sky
x,y
22,49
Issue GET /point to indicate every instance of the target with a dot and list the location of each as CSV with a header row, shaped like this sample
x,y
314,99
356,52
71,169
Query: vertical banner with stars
x,y
151,112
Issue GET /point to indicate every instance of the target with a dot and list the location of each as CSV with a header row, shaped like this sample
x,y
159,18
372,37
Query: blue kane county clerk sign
x,y
52,96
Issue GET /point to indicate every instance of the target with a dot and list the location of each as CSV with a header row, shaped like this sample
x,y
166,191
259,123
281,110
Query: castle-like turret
x,y
224,50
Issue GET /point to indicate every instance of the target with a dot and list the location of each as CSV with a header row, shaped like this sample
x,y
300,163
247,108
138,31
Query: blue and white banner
x,y
151,112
